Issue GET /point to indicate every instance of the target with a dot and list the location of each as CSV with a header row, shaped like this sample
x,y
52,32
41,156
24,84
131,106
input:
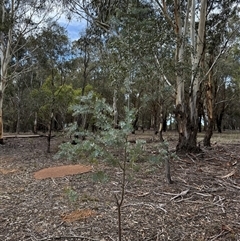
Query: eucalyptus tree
x,y
53,50
86,56
227,109
136,59
187,77
188,20
19,19
222,30
98,13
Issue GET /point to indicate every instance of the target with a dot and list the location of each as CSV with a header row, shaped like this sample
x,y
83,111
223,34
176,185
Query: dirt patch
x,y
61,171
78,215
7,171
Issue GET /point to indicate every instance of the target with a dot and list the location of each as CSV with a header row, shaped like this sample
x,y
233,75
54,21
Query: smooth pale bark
x,y
22,15
196,77
182,109
187,97
5,57
35,123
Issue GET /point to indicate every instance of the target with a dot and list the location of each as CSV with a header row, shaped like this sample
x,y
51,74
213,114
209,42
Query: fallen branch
x,y
228,175
181,194
25,136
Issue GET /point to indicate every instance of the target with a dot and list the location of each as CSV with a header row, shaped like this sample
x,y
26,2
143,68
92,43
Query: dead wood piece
x,y
181,194
229,174
23,136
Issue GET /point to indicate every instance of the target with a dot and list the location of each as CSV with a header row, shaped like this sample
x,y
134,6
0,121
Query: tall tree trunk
x,y
35,123
1,120
5,56
186,139
161,123
50,125
187,105
50,132
115,111
18,99
219,119
220,109
210,105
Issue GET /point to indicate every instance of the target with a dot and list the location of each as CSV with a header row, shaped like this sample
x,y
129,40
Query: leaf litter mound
x,y
61,171
203,203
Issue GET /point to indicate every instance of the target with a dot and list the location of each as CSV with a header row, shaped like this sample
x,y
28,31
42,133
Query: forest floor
x,y
203,203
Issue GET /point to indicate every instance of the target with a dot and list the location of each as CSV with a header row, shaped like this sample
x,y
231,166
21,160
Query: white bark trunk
x,y
35,123
196,78
181,32
5,57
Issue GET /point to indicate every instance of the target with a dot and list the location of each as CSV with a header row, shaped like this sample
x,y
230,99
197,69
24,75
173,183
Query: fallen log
x,y
23,136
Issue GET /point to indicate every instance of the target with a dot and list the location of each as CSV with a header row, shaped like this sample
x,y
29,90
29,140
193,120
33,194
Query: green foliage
x,y
100,176
71,194
107,144
57,97
162,154
107,140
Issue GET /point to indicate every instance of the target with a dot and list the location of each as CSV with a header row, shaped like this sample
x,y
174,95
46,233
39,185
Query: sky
x,y
74,27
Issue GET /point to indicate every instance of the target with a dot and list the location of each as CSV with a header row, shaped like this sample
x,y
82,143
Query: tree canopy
x,y
174,62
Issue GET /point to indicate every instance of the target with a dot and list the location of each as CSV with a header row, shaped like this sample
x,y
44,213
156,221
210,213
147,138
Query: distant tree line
x,y
175,63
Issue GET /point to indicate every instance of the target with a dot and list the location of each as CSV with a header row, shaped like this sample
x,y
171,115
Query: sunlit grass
x,y
226,137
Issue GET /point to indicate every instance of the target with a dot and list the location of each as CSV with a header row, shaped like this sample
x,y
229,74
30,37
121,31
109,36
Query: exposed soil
x,y
61,171
203,203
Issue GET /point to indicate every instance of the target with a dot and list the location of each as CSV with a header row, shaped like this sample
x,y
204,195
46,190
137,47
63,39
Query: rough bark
x,y
220,109
219,119
161,123
210,106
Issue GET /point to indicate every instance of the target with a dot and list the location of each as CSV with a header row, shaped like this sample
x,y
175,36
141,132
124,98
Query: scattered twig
x,y
219,235
181,194
203,194
220,200
210,159
190,158
229,174
151,205
110,238
229,184
181,200
53,181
